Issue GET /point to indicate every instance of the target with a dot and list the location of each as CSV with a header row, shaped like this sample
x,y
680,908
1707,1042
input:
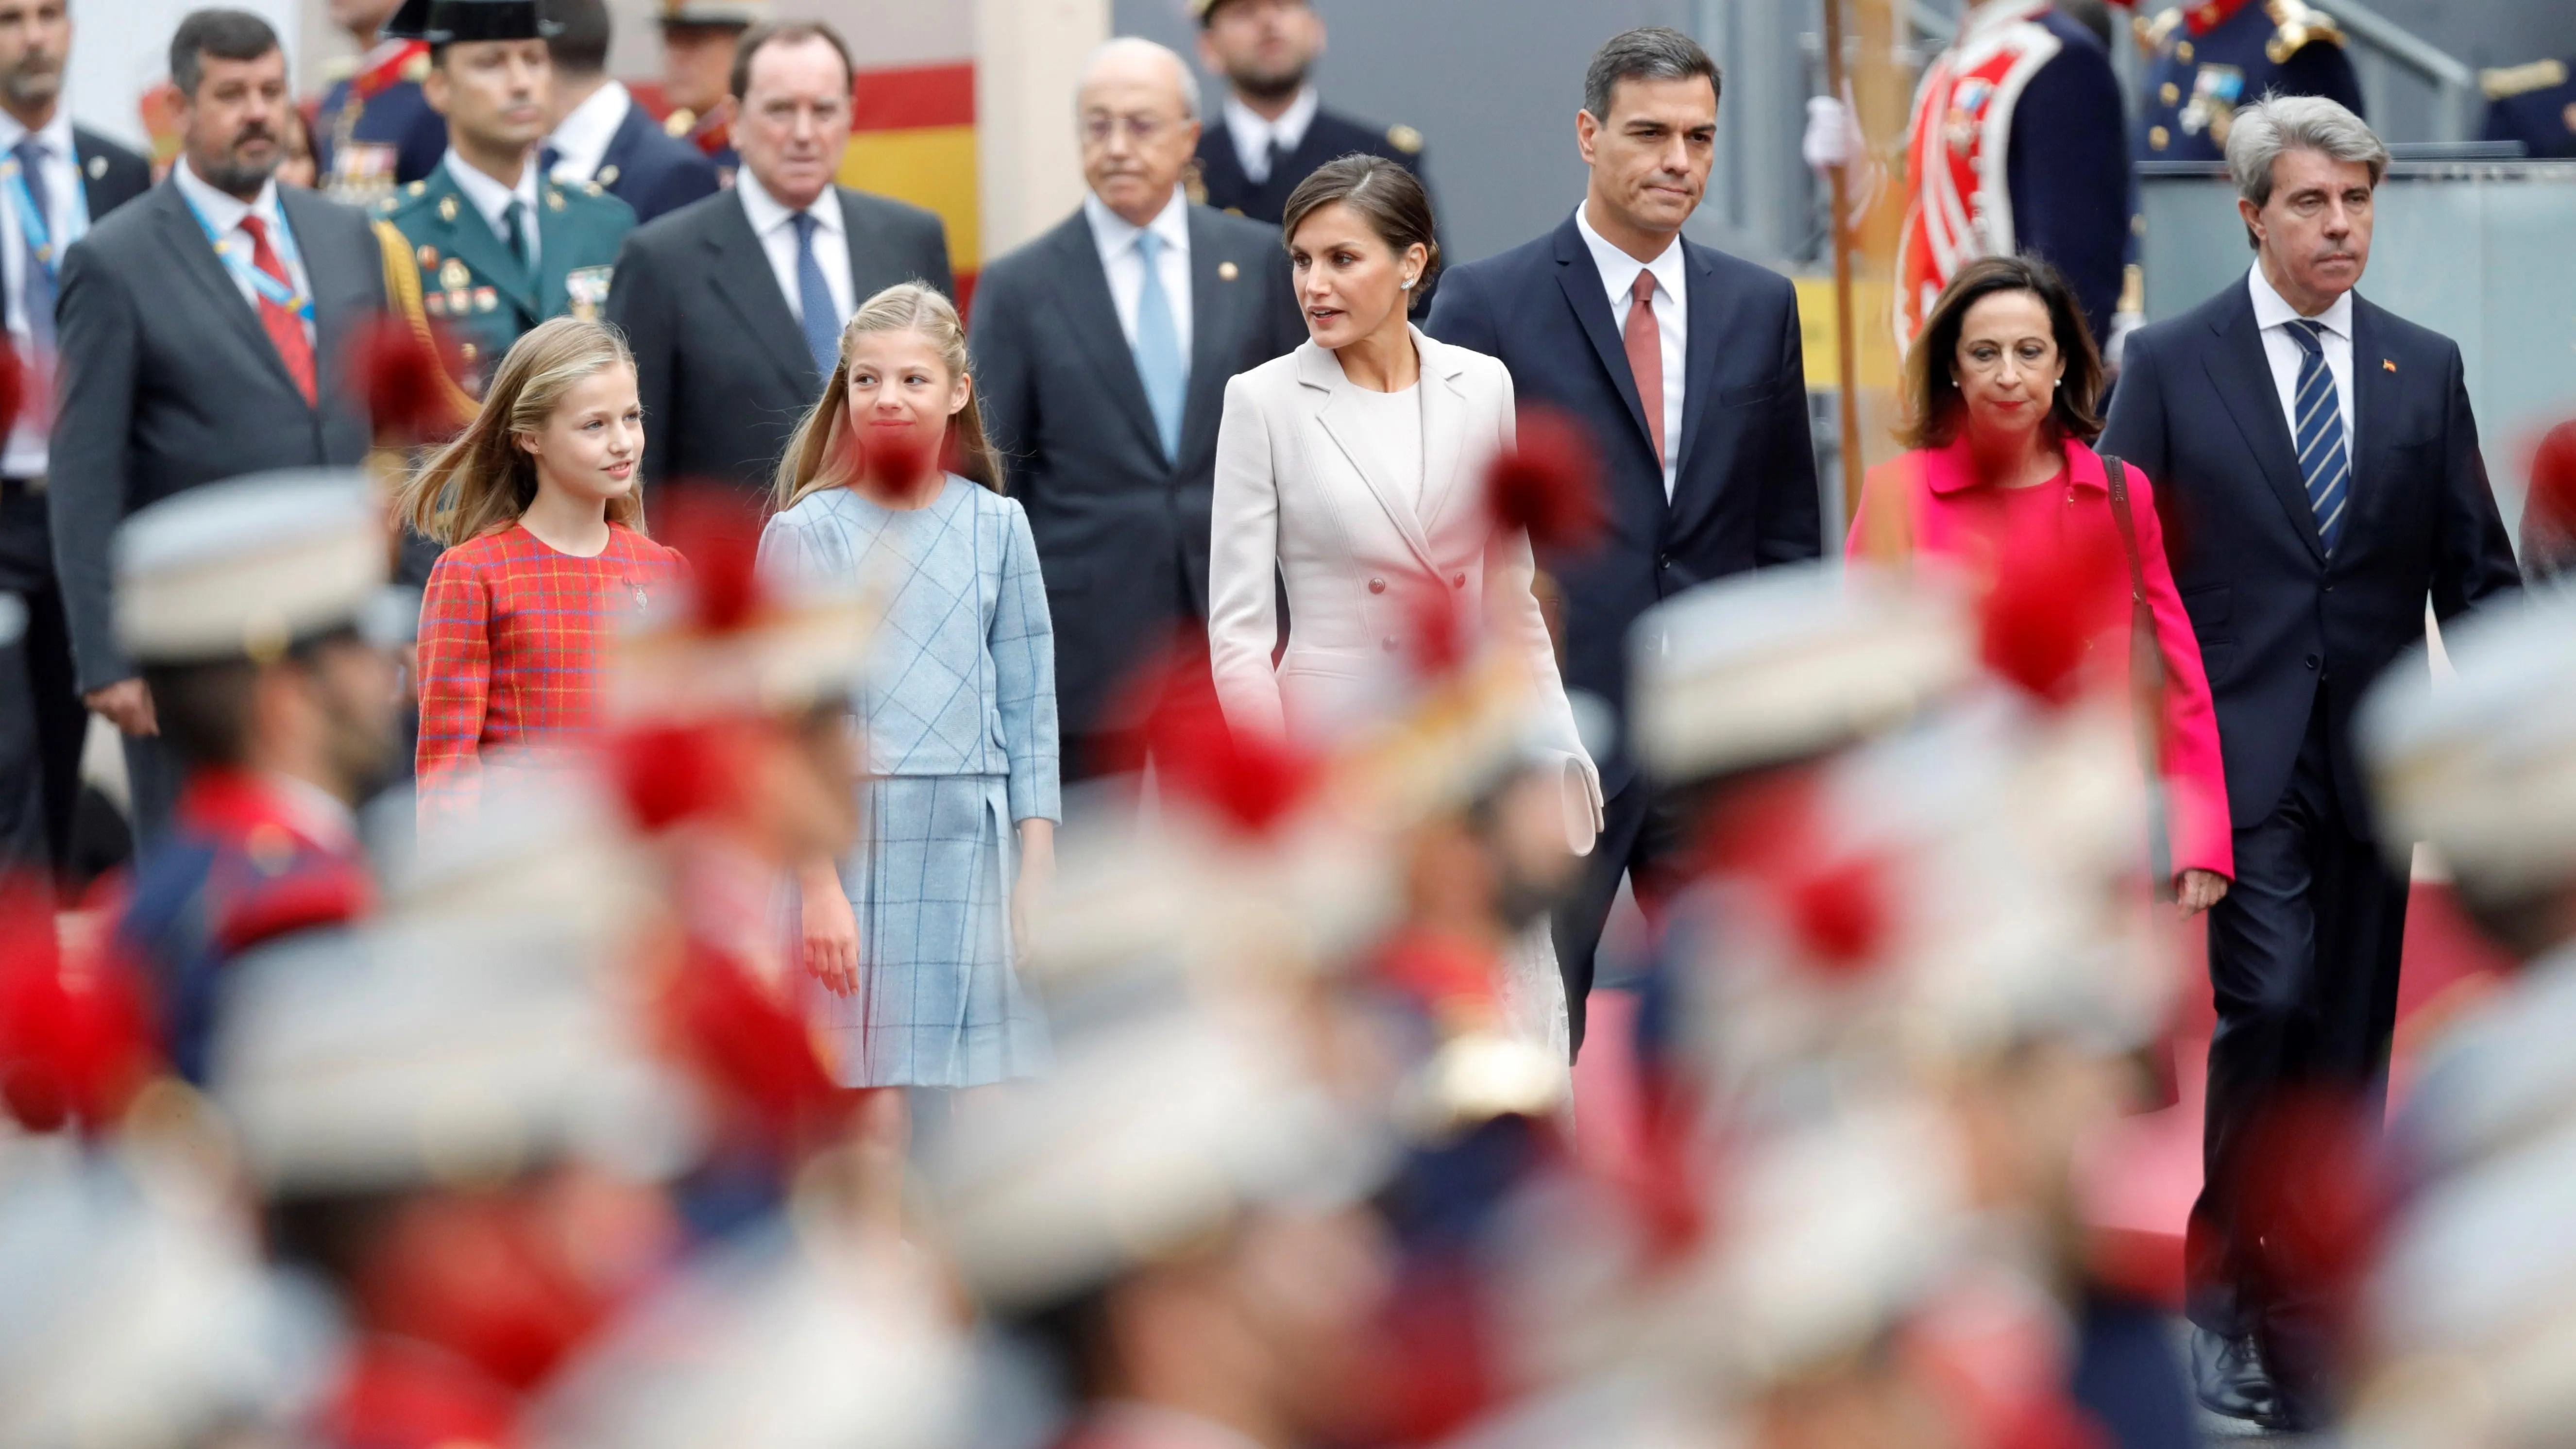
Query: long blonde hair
x,y
816,457
482,479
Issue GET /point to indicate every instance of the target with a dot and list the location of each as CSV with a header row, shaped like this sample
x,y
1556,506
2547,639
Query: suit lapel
x,y
1581,280
743,277
186,240
2244,380
1317,368
94,193
1708,320
1092,319
2375,403
330,277
1216,316
1444,419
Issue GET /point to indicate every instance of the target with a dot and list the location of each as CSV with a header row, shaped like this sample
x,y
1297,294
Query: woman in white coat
x,y
1352,470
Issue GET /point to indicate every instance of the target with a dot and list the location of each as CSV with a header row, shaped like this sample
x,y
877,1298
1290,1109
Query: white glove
x,y
1833,137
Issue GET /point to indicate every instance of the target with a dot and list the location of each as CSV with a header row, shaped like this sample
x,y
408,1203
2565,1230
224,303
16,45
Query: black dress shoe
x,y
2228,1377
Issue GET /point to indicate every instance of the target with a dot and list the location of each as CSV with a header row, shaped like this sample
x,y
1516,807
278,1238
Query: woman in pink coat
x,y
2000,390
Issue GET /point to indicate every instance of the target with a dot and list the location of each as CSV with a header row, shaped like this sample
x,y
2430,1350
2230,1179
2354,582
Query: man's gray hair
x,y
1137,45
2261,132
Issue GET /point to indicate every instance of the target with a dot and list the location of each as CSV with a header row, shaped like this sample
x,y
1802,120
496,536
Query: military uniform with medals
x,y
2205,61
375,130
2534,104
472,283
711,134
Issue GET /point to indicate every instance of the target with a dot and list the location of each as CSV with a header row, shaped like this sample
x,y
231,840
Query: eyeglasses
x,y
1140,129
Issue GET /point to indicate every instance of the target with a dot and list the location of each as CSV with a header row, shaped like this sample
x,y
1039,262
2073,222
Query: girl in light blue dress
x,y
913,939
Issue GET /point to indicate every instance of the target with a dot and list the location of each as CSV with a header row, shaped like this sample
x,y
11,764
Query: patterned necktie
x,y
2323,460
1159,364
284,326
37,289
817,312
1645,344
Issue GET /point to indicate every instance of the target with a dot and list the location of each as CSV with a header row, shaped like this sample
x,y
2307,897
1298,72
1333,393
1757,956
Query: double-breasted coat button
x,y
1377,586
1460,581
1387,643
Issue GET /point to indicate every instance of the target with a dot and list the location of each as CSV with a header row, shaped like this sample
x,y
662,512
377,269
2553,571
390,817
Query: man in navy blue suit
x,y
1685,364
2316,461
601,135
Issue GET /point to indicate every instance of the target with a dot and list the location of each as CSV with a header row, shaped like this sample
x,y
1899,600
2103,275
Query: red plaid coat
x,y
509,646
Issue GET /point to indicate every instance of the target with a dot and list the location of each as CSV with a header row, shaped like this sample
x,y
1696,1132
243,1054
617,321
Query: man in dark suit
x,y
2319,469
1272,132
1102,350
55,179
1685,365
734,305
204,334
601,135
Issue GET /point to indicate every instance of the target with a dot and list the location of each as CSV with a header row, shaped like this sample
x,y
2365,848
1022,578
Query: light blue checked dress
x,y
959,710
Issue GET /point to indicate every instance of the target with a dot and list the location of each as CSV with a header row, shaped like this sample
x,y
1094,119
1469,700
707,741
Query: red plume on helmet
x,y
718,532
2549,513
76,1038
752,1048
408,376
1247,778
1548,484
13,384
2053,596
1836,901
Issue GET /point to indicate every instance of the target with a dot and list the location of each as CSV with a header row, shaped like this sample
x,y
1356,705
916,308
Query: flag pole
x,y
1846,342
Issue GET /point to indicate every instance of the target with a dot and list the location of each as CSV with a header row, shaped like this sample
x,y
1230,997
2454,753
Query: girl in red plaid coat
x,y
536,504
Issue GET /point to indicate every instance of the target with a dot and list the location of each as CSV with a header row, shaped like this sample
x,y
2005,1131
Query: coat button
x,y
1377,586
1387,643
1460,581
2312,661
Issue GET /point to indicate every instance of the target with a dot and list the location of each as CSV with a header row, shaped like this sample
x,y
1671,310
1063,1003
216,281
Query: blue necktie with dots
x,y
820,317
2323,459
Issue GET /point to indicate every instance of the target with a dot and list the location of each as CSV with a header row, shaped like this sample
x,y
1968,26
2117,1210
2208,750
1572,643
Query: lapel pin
x,y
447,208
2389,363
97,167
1227,271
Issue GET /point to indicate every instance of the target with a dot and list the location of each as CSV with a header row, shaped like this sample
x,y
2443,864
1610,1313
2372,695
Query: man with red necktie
x,y
203,333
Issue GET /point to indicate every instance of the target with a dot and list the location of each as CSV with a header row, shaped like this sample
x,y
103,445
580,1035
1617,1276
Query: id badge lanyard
x,y
31,219
235,254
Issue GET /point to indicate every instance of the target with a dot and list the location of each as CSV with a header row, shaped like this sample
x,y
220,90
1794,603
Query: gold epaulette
x,y
676,125
2152,34
403,290
2518,80
2296,26
1404,139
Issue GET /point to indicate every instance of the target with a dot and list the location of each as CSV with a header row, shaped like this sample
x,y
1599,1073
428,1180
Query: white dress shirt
x,y
1672,321
1253,133
2274,316
1116,237
59,184
775,225
581,140
224,212
493,199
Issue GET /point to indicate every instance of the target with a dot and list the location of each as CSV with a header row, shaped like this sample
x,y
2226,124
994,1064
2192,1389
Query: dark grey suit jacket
x,y
1122,532
168,381
720,362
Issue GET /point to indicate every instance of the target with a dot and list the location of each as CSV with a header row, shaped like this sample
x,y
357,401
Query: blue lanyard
x,y
31,218
233,255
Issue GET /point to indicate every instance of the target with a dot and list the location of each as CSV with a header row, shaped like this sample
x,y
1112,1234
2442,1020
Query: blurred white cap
x,y
246,568
1781,663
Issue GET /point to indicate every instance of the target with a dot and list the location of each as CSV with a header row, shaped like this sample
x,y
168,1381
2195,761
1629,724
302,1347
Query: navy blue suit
x,y
651,170
2303,952
2534,104
1744,495
1328,137
2067,170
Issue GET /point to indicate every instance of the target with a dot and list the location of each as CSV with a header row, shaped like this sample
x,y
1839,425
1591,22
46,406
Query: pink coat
x,y
1953,515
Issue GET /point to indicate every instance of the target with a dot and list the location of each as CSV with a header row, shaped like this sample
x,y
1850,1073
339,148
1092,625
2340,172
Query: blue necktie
x,y
37,292
814,300
1159,364
2323,459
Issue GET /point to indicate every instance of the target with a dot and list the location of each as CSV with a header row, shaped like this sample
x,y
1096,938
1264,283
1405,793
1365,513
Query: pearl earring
x,y
1405,286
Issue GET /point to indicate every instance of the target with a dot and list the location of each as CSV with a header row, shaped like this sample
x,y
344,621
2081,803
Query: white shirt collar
x,y
2271,311
768,213
1114,234
222,210
1252,131
583,135
56,134
490,197
1619,270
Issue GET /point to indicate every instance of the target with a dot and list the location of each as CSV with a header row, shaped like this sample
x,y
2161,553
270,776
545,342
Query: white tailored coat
x,y
1301,499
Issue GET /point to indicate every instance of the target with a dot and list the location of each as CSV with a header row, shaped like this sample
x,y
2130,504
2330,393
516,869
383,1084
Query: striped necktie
x,y
2324,461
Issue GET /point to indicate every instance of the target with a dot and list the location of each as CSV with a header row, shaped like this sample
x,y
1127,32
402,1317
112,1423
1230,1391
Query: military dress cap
x,y
742,13
247,568
413,1053
1159,1127
133,1315
450,22
2483,765
1786,662
791,652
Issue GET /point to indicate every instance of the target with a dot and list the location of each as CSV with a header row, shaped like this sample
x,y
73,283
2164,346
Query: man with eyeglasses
x,y
1102,351
734,304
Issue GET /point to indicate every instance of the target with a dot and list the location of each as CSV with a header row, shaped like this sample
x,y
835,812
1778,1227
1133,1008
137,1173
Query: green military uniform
x,y
472,284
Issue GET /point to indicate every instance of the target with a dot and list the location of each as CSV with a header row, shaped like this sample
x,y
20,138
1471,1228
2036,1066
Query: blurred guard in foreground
x,y
374,131
485,244
243,603
701,42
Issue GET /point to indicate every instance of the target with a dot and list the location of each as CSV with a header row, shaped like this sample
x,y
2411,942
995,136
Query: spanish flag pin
x,y
2389,363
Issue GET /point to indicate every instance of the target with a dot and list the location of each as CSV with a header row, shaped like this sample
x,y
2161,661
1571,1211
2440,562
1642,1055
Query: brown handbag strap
x,y
2142,619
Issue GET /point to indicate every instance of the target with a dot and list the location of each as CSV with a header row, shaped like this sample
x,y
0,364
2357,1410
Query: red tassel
x,y
718,531
750,1046
2550,510
1836,903
76,1039
671,773
408,380
1548,485
13,385
1247,778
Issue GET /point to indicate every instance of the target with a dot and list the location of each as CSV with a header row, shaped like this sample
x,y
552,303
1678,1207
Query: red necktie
x,y
1645,342
285,328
